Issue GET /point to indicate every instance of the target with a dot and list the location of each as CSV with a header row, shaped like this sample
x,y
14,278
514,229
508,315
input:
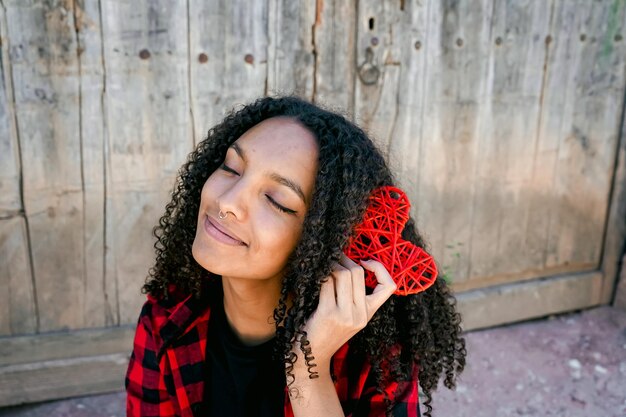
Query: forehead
x,y
283,146
280,141
285,132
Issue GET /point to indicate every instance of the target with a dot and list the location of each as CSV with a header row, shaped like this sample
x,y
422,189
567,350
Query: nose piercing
x,y
222,215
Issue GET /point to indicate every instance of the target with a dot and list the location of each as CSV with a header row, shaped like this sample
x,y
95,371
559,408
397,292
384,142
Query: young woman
x,y
254,310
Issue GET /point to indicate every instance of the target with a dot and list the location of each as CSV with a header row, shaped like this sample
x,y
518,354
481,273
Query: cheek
x,y
210,189
280,239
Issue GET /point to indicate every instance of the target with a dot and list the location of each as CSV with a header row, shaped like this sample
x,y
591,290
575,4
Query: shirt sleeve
x,y
146,395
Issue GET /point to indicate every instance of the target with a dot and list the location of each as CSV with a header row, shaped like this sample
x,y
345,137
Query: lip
x,y
219,233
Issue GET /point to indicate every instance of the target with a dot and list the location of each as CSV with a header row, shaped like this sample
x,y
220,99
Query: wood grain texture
x,y
499,248
491,202
335,54
614,254
410,35
46,80
290,55
580,118
233,35
100,306
62,379
10,200
147,136
455,83
18,311
66,345
378,57
527,300
63,364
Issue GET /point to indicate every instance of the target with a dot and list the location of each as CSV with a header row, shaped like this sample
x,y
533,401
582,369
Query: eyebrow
x,y
273,175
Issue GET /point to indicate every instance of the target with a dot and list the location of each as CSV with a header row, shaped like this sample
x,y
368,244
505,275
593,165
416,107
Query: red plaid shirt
x,y
166,375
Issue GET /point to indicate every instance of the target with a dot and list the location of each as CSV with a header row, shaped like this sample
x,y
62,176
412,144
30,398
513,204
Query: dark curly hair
x,y
426,326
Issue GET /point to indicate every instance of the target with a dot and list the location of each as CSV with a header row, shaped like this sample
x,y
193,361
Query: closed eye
x,y
228,169
279,207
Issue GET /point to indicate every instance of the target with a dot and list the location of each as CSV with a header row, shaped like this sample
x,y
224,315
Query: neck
x,y
249,306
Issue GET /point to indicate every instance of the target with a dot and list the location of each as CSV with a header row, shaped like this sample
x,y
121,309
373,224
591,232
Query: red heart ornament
x,y
378,237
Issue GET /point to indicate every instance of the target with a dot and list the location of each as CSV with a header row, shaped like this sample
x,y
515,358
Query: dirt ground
x,y
568,366
572,365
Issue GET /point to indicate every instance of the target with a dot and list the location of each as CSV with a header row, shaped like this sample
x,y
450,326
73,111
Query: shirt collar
x,y
172,319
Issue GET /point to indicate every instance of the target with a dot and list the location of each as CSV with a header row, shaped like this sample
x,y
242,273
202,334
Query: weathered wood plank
x,y
499,248
405,141
65,345
335,54
148,133
528,300
378,55
100,308
46,84
62,379
593,78
290,59
59,365
455,85
18,312
615,237
228,57
10,200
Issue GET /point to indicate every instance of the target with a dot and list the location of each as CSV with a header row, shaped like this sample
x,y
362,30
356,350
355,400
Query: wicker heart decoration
x,y
378,237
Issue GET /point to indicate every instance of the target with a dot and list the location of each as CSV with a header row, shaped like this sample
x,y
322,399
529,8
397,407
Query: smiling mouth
x,y
220,236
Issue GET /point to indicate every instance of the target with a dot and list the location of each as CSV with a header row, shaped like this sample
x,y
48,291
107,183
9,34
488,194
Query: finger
x,y
359,294
347,262
358,280
343,284
327,294
385,288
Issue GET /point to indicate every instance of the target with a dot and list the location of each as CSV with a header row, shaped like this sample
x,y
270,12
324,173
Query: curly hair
x,y
426,326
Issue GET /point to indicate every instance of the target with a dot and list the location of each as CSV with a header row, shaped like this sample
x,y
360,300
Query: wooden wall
x,y
503,120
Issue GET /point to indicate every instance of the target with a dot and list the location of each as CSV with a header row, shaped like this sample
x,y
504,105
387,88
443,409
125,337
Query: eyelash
x,y
274,203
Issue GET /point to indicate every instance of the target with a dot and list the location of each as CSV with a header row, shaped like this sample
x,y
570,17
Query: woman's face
x,y
272,164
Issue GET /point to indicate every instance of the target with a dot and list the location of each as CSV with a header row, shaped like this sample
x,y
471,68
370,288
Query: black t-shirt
x,y
241,380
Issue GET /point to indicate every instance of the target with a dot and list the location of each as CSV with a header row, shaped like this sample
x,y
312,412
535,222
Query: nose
x,y
234,199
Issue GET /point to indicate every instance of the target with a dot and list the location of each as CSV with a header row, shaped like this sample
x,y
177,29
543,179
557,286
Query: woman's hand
x,y
344,309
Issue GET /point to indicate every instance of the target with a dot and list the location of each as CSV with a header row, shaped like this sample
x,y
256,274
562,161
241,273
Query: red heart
x,y
379,237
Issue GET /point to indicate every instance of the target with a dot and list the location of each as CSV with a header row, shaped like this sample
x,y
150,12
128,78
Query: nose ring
x,y
222,215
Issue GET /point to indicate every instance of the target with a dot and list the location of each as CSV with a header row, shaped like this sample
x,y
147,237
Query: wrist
x,y
300,369
303,385
320,366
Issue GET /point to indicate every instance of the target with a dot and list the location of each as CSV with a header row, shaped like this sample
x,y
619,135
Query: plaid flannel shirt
x,y
165,375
